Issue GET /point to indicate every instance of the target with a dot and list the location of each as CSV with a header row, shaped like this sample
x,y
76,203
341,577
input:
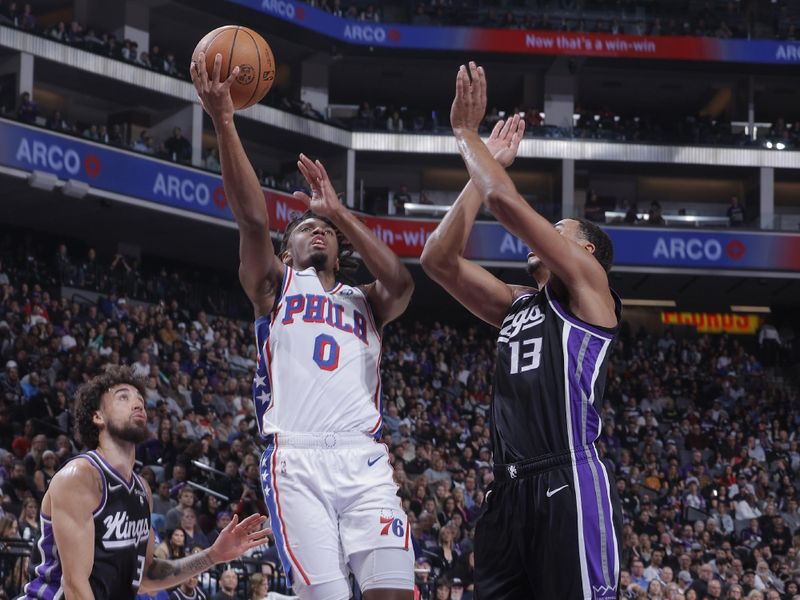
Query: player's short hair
x,y
89,396
347,264
603,247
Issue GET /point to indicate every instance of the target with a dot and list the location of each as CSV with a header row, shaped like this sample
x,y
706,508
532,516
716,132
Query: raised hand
x,y
505,139
469,104
238,538
215,95
324,201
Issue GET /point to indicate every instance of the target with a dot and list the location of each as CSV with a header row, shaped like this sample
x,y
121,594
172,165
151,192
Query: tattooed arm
x,y
235,539
161,574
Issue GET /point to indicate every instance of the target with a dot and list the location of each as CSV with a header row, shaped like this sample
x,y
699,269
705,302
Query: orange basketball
x,y
242,47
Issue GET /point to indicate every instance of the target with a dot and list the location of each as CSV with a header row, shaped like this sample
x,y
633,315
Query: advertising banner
x,y
165,184
516,41
737,323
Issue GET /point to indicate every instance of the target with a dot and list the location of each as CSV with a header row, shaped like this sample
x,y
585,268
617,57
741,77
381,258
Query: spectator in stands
x,y
144,143
194,535
59,32
394,122
593,210
156,59
163,503
174,546
188,590
57,122
259,589
186,500
29,521
33,459
369,14
399,200
212,161
27,20
27,110
170,67
735,213
178,147
654,216
44,474
144,60
12,13
365,117
92,133
16,489
114,136
631,214
228,582
13,565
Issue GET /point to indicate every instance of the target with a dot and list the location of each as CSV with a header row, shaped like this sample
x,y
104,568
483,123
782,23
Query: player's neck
x,y
541,278
120,455
327,279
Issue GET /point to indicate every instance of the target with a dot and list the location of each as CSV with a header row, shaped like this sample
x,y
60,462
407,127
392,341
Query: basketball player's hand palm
x,y
215,95
469,105
238,538
505,139
324,201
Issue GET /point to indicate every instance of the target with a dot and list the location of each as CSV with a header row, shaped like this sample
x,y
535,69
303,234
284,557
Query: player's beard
x,y
533,265
319,260
130,432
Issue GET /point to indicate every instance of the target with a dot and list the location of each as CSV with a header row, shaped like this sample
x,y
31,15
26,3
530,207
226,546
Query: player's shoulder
x,y
522,291
79,474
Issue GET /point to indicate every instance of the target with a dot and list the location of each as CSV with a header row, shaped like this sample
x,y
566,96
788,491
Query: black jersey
x,y
550,377
121,534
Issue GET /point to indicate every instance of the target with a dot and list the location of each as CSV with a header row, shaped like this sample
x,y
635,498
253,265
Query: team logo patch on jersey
x,y
391,525
514,323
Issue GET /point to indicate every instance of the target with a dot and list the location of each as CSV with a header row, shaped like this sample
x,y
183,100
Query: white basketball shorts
x,y
330,495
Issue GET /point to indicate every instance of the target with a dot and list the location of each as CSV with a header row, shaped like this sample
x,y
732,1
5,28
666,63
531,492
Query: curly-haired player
x,y
327,482
96,539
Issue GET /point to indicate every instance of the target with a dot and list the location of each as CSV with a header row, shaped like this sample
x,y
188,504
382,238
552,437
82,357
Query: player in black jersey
x,y
96,540
551,518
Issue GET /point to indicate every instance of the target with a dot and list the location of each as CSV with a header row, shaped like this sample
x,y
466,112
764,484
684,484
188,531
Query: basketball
x,y
242,47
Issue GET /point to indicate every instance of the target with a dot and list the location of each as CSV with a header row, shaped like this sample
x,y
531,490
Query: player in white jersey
x,y
327,482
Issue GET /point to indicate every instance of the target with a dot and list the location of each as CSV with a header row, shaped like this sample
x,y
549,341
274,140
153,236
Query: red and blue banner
x,y
164,184
515,41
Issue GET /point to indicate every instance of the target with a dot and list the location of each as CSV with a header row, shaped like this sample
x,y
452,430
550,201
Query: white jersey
x,y
318,360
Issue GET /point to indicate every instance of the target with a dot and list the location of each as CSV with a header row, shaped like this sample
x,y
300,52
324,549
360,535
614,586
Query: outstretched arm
x,y
391,291
234,540
568,261
443,260
260,271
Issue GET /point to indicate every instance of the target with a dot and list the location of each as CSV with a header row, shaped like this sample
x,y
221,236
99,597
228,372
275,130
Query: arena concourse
x,y
117,247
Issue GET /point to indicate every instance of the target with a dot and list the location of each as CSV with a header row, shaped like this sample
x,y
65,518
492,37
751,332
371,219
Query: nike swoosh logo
x,y
372,461
555,491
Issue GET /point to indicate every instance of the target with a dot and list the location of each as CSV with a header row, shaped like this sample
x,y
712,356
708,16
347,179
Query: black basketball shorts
x,y
549,531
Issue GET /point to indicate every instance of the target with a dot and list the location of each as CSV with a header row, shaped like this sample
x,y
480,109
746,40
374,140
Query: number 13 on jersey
x,y
531,354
